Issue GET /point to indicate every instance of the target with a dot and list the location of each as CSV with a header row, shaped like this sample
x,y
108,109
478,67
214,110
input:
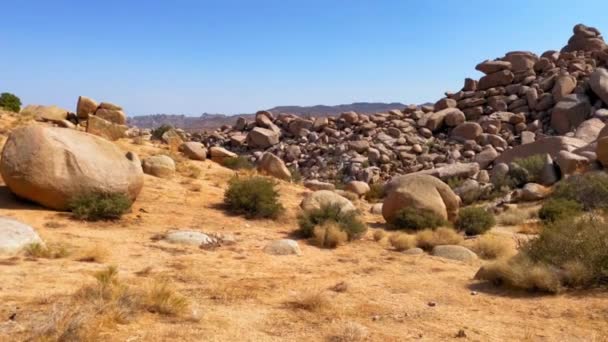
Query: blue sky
x,y
234,56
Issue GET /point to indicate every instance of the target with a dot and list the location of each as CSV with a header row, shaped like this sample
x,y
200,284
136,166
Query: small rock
x,y
283,247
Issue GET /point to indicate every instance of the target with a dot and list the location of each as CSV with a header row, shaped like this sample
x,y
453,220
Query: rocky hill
x,y
213,121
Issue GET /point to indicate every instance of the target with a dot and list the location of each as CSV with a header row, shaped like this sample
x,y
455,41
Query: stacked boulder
x,y
524,104
106,119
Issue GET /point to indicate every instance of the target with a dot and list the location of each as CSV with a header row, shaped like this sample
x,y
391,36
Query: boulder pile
x,y
523,104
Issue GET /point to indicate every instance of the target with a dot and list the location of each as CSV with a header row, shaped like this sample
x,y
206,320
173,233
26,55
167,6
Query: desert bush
x,y
100,206
533,165
567,253
379,235
427,239
312,300
238,163
590,190
38,250
455,182
402,242
161,298
555,209
489,246
10,102
375,193
416,219
188,170
329,235
513,217
253,197
347,221
158,132
474,220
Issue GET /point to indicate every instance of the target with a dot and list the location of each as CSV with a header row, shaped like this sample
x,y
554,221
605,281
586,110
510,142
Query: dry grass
x,y
329,235
312,301
402,241
349,332
188,170
491,246
519,272
51,251
513,217
54,224
576,274
427,239
161,298
97,253
379,235
530,228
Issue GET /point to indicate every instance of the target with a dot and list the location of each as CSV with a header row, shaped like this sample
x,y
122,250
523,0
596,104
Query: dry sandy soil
x,y
240,293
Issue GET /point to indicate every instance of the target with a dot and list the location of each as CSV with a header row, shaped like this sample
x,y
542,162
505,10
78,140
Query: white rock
x,y
14,236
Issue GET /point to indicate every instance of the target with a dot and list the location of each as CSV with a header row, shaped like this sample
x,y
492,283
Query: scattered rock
x,y
159,166
454,252
283,247
15,236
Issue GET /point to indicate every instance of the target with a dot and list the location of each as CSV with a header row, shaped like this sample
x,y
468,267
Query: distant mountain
x,y
212,121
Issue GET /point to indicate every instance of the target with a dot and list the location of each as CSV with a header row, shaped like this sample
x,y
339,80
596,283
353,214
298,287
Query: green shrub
x,y
590,190
455,182
533,165
416,219
347,221
253,197
474,220
100,206
376,193
10,102
158,132
556,209
238,163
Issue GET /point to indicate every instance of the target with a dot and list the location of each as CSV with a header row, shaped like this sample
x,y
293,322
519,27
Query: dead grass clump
x,y
530,228
428,239
402,242
97,253
54,224
490,246
379,235
520,272
350,332
513,217
162,298
51,251
312,301
188,170
329,235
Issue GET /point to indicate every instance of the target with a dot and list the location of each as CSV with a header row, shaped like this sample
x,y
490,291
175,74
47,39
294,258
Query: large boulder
x,y
15,236
106,129
549,145
112,115
85,107
421,192
598,80
46,113
219,154
456,170
357,187
497,79
324,198
570,112
273,166
262,138
589,130
467,131
194,150
159,166
51,166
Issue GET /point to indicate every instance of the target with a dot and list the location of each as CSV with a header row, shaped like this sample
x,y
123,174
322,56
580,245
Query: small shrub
x,y
254,197
161,298
329,235
238,163
512,217
379,235
97,254
474,220
427,239
590,190
533,166
348,222
402,242
490,246
455,182
312,300
520,272
416,219
555,209
158,132
100,206
10,102
38,250
375,193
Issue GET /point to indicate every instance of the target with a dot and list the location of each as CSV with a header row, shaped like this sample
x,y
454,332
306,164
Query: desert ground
x,y
361,291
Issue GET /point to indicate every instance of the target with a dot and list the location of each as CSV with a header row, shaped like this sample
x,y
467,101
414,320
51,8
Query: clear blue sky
x,y
229,56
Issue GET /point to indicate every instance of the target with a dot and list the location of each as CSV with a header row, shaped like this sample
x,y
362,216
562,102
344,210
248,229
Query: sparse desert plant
x,y
533,165
96,253
555,209
379,235
350,332
188,170
100,206
428,238
416,219
474,220
238,163
158,132
312,300
376,193
161,298
402,241
520,272
347,221
10,102
589,189
329,235
50,251
513,217
253,197
490,246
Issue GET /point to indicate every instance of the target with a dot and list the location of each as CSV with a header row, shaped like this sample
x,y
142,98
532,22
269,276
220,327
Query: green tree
x,y
10,102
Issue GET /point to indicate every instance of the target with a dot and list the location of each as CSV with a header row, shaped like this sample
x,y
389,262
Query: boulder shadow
x,y
489,288
8,200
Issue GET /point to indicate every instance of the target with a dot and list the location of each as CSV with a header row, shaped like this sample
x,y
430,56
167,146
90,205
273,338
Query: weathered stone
x,y
273,166
357,187
159,166
486,157
497,79
219,154
85,107
490,67
318,185
454,252
325,198
570,112
113,116
283,247
570,163
15,236
262,138
589,130
549,145
194,150
467,131
598,80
